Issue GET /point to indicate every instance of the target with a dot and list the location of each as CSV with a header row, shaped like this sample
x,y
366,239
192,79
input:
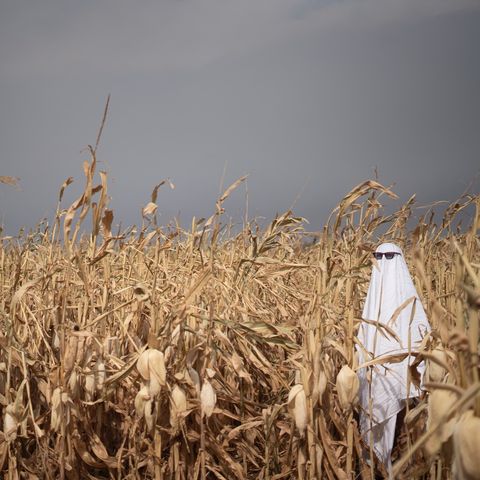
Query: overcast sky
x,y
305,96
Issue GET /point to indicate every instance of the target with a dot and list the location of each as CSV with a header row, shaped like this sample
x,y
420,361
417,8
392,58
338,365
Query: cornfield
x,y
166,353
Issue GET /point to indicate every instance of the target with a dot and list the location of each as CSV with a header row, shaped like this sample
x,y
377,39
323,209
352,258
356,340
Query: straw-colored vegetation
x,y
204,353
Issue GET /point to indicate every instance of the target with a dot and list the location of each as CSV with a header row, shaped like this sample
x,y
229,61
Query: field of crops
x,y
165,353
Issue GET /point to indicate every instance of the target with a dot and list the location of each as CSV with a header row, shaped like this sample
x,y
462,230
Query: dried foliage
x,y
165,353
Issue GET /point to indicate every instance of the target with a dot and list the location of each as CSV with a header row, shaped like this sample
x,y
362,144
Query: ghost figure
x,y
392,300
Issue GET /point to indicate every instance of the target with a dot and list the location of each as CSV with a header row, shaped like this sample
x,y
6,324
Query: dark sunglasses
x,y
388,255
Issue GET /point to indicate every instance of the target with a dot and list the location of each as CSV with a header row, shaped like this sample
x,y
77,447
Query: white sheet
x,y
390,287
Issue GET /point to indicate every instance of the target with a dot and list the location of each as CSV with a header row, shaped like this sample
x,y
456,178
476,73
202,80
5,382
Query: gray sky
x,y
303,95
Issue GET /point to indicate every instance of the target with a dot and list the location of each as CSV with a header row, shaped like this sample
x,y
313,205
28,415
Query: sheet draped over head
x,y
390,289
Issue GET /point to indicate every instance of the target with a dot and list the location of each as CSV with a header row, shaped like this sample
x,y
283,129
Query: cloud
x,y
120,36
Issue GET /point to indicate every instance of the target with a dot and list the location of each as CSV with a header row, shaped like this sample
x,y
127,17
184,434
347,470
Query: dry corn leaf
x,y
238,366
149,209
84,454
98,448
12,181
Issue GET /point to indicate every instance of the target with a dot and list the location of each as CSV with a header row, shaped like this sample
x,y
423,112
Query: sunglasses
x,y
388,255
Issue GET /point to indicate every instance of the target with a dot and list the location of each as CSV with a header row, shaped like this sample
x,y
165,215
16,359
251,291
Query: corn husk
x,y
319,387
56,414
89,384
466,444
158,373
100,374
435,372
150,414
178,405
60,409
10,423
151,366
194,379
70,356
110,346
142,365
141,293
140,399
297,407
208,399
439,403
347,387
319,378
74,384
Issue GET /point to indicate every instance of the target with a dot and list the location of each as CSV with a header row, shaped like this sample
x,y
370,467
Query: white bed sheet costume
x,y
390,287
